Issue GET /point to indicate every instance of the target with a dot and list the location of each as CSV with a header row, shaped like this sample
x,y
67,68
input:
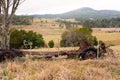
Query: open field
x,y
26,68
109,38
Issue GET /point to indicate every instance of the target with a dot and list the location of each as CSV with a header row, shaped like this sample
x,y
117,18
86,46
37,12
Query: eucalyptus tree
x,y
7,11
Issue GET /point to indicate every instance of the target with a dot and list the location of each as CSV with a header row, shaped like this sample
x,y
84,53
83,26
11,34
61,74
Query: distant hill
x,y
84,13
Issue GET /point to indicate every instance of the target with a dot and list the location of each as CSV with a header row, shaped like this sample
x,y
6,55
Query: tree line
x,y
92,23
22,20
68,24
100,23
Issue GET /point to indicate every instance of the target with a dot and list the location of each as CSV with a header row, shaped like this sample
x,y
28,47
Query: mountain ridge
x,y
84,13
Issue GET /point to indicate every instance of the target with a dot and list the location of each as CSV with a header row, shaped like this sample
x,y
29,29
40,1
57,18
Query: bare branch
x,y
14,7
21,2
11,2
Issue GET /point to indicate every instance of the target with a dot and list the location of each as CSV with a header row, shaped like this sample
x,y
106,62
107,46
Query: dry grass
x,y
52,49
106,69
109,38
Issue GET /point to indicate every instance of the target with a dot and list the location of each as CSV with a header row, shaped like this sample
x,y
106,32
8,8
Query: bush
x,y
51,44
95,42
74,37
18,37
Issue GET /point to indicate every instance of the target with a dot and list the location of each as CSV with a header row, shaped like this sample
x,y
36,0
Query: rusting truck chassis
x,y
85,51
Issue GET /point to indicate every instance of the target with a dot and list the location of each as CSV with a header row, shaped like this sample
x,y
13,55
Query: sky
x,y
61,6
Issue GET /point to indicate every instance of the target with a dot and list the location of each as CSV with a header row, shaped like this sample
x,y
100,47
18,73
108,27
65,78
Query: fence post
x,y
98,50
58,47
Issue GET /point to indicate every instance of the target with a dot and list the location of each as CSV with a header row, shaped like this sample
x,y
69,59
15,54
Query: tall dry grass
x,y
27,69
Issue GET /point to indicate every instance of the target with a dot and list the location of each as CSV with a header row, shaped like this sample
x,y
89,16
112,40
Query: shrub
x,y
18,37
95,42
74,37
51,44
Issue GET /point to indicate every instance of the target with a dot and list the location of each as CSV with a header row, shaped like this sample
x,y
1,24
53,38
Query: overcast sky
x,y
61,6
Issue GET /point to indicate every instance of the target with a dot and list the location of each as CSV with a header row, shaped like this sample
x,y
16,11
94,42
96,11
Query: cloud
x,y
61,6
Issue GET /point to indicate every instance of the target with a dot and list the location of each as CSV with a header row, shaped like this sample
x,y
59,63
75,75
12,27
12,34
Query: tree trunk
x,y
5,38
